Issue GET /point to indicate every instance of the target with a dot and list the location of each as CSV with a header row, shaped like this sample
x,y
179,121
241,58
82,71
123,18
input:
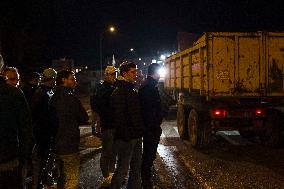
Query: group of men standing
x,y
128,118
43,118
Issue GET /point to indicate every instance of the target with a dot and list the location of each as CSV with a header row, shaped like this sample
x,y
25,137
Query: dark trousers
x,y
151,140
38,163
108,157
129,155
11,179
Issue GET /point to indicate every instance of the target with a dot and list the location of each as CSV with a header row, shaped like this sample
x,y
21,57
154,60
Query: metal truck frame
x,y
229,81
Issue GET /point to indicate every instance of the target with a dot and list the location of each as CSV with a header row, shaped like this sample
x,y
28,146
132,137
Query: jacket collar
x,y
152,81
125,84
66,90
107,83
45,87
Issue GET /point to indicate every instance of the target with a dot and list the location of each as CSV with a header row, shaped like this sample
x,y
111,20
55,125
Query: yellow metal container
x,y
230,64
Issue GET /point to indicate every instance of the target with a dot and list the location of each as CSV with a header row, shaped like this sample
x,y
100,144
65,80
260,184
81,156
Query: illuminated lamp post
x,y
111,30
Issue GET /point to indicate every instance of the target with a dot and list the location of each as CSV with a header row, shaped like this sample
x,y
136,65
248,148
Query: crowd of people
x,y
42,117
39,118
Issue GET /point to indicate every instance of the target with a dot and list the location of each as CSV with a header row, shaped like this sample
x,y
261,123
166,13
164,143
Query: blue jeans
x,y
129,154
108,157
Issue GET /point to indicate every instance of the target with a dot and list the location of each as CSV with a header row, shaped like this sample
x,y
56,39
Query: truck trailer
x,y
229,81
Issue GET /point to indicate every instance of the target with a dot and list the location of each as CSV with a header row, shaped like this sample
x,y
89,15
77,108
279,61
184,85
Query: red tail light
x,y
259,112
219,113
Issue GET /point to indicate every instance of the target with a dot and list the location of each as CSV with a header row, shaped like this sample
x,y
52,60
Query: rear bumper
x,y
237,124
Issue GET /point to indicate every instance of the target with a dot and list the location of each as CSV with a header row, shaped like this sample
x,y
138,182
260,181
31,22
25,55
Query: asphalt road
x,y
237,164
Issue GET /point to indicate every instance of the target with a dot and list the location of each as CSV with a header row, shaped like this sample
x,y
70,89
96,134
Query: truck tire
x,y
271,134
182,117
199,131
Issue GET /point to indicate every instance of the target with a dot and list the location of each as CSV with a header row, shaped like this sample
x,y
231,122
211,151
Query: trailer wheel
x,y
193,128
271,134
182,117
199,131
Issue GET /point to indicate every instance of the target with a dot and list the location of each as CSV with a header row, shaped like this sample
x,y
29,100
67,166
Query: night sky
x,y
33,32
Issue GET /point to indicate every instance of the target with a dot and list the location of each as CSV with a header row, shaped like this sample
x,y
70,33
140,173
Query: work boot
x,y
147,184
107,181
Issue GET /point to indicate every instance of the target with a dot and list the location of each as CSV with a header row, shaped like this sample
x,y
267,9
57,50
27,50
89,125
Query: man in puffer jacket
x,y
68,113
128,129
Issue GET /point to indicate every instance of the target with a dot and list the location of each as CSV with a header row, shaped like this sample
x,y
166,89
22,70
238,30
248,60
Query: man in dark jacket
x,y
31,82
68,114
128,129
100,103
43,130
15,136
152,117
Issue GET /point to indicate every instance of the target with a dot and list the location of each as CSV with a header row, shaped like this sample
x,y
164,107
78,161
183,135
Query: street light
x,y
111,30
163,57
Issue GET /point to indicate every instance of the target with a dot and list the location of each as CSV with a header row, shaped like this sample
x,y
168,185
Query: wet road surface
x,y
169,170
222,165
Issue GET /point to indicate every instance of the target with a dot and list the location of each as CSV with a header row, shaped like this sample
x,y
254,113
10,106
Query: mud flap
x,y
182,117
271,134
206,133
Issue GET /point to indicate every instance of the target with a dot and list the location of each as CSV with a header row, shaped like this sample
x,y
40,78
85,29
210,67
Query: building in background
x,y
63,64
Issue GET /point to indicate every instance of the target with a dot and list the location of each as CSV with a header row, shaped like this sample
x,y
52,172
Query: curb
x,y
87,152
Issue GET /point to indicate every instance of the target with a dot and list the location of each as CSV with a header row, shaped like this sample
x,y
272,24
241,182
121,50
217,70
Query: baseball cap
x,y
49,73
110,70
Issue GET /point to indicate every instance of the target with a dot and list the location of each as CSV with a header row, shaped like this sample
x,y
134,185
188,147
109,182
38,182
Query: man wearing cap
x,y
100,103
42,128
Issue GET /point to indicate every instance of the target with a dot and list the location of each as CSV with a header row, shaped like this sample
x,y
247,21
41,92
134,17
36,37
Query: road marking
x,y
233,137
169,132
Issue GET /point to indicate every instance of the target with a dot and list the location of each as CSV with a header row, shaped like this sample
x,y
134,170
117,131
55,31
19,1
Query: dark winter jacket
x,y
100,103
15,125
67,113
127,112
29,91
43,129
150,104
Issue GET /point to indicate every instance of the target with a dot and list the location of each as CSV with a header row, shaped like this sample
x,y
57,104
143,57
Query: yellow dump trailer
x,y
229,80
